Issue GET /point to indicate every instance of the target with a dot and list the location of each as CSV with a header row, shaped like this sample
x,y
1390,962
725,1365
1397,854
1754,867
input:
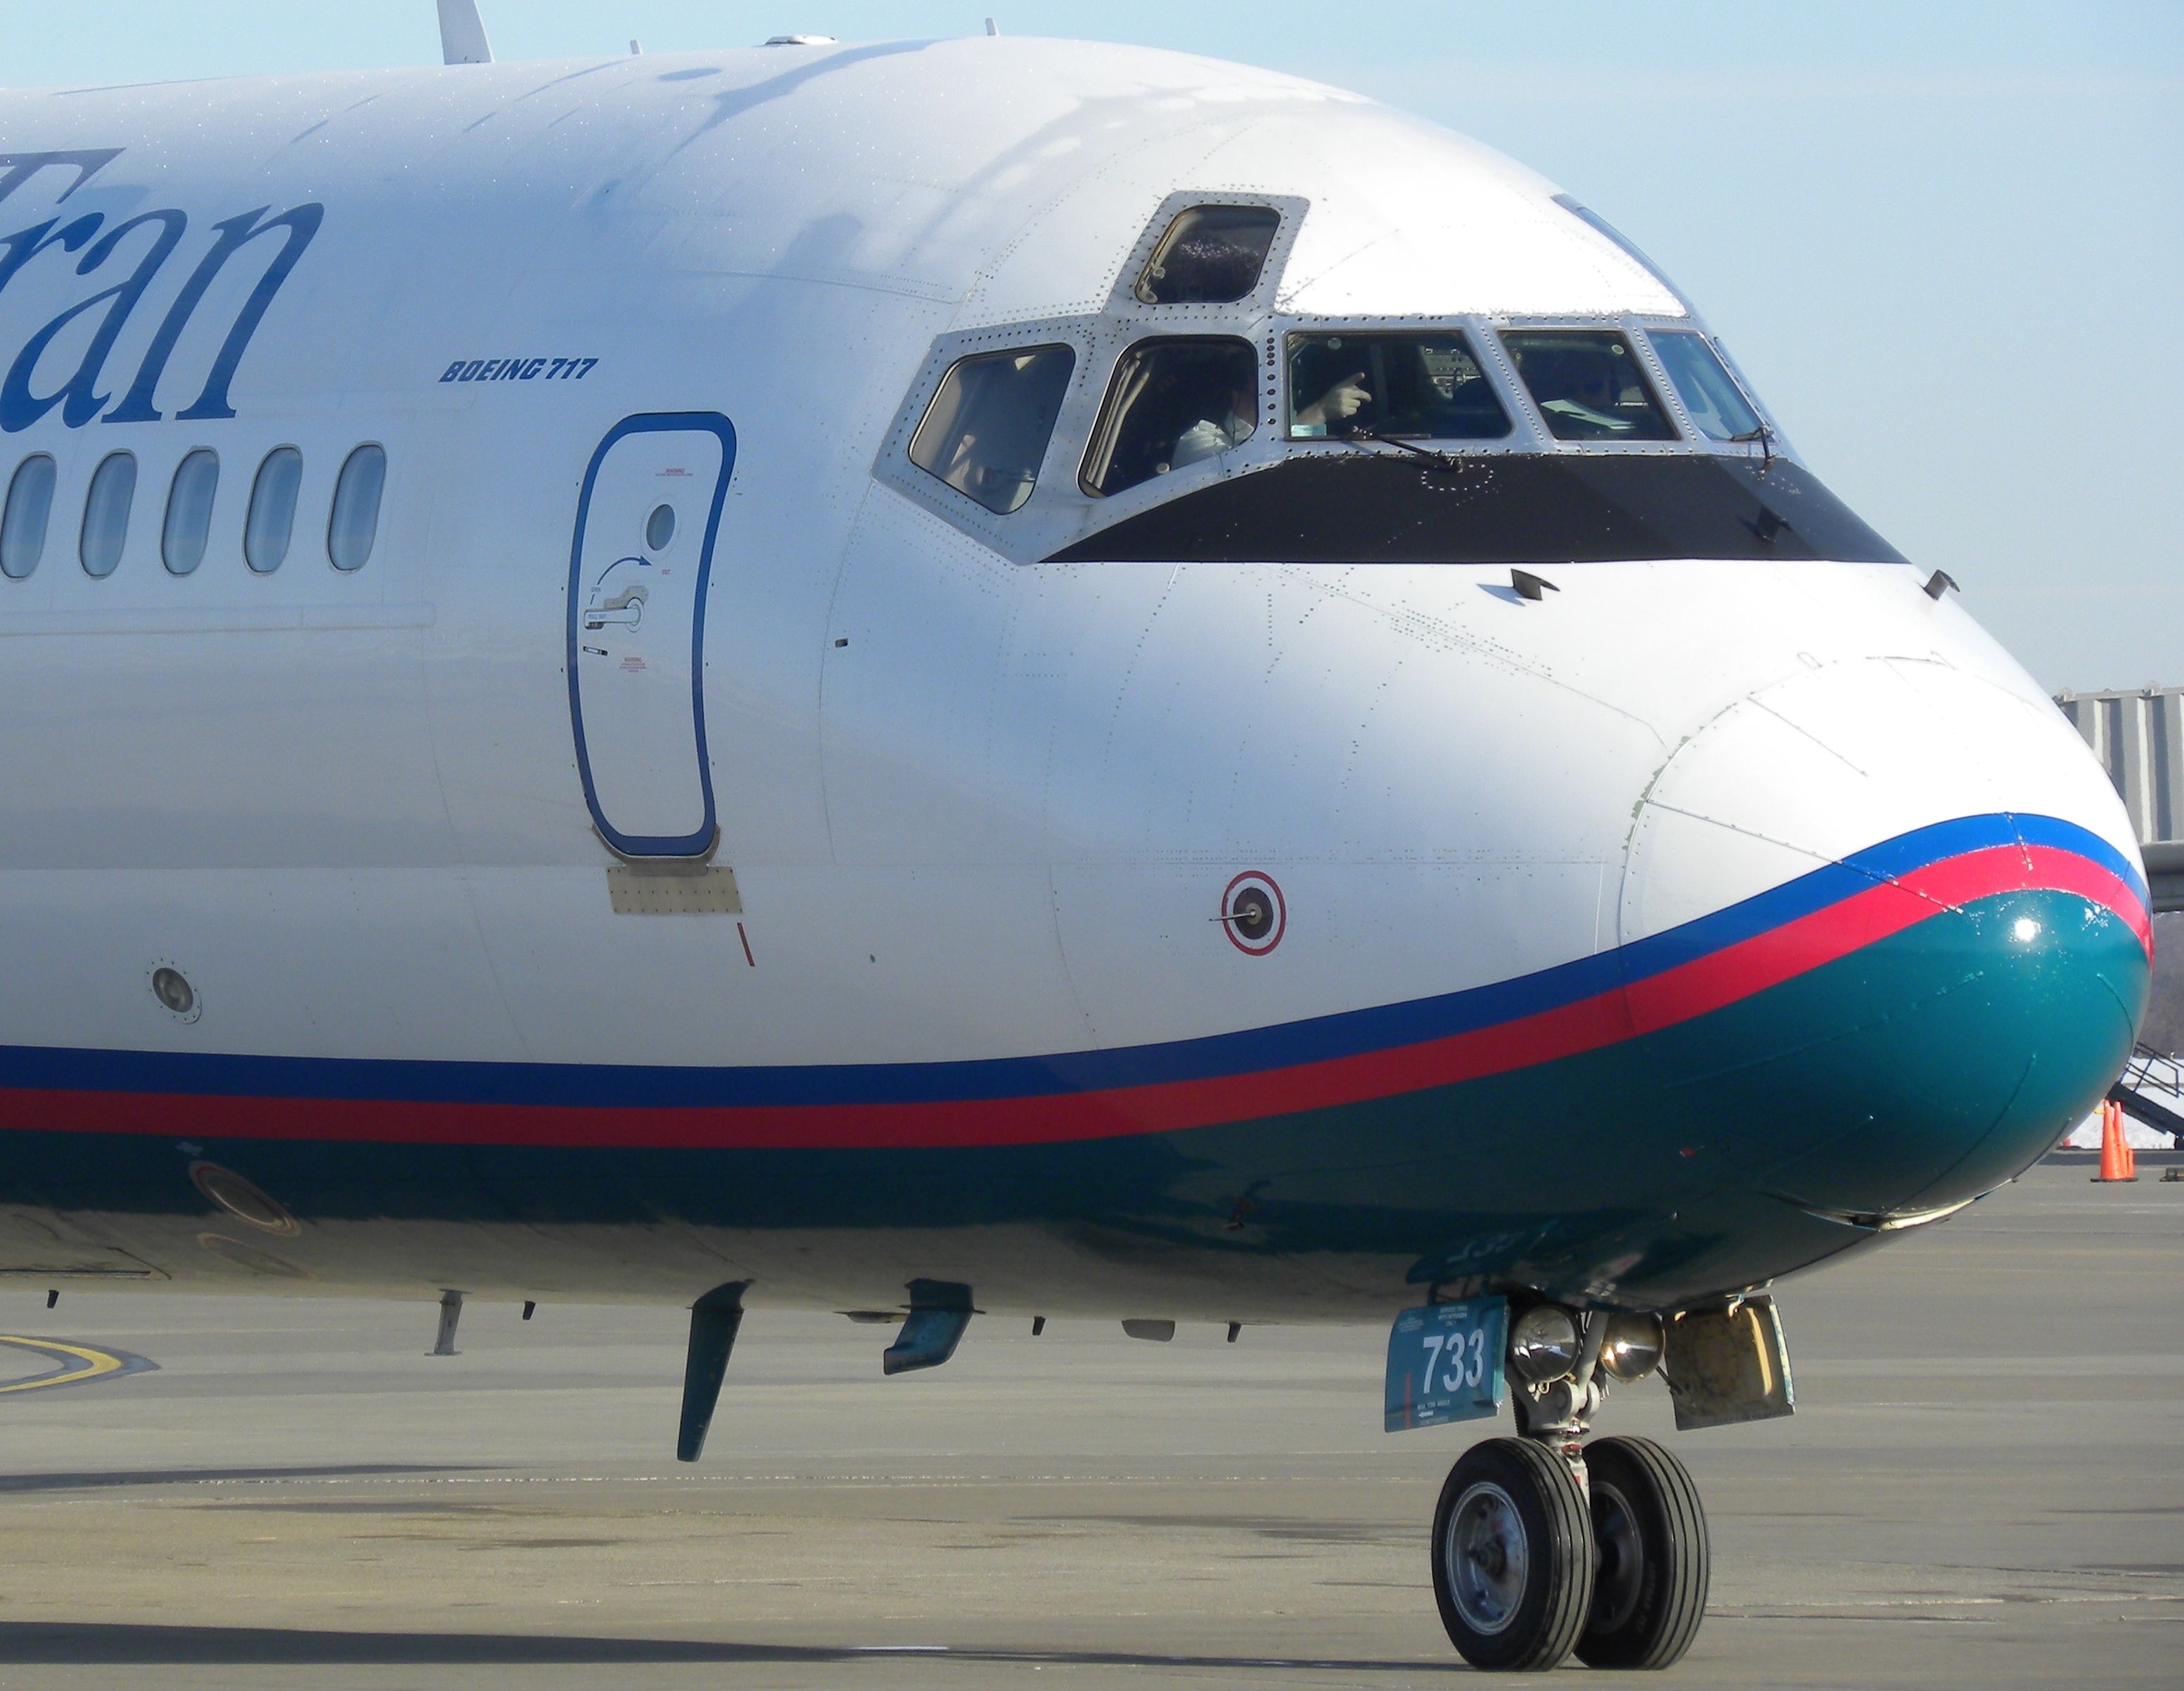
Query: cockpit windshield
x,y
1588,384
1710,394
1414,387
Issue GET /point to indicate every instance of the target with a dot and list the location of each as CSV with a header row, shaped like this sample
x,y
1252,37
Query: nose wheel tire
x,y
1650,1540
1512,1556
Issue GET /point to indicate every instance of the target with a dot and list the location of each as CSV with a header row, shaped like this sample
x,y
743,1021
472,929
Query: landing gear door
x,y
646,523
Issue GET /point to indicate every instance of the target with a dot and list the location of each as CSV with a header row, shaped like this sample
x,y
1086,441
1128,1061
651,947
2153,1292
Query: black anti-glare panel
x,y
1384,506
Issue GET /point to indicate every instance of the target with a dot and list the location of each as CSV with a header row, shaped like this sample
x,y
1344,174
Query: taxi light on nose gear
x,y
1633,1347
1543,1344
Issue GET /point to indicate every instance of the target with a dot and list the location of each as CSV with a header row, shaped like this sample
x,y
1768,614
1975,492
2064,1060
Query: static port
x,y
1253,913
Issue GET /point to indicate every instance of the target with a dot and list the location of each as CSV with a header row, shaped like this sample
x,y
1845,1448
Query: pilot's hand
x,y
1340,403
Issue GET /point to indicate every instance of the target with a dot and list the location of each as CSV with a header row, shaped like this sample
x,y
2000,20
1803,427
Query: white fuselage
x,y
978,806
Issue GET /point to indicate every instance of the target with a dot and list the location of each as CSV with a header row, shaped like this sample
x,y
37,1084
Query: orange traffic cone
x,y
2122,1137
2115,1149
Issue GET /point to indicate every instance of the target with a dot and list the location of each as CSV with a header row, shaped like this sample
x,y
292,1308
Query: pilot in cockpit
x,y
1184,400
1234,418
1578,384
1338,403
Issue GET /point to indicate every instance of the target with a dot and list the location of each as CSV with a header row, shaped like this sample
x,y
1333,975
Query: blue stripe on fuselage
x,y
1344,1034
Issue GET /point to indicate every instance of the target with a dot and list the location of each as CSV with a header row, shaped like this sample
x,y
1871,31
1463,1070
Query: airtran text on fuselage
x,y
128,257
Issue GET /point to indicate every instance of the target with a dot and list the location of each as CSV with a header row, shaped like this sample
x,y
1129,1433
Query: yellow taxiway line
x,y
78,1363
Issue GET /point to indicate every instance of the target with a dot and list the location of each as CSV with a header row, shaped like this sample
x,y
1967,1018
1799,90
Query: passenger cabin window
x,y
1709,393
272,519
1588,384
1211,255
354,525
106,514
1406,386
189,512
23,523
1173,404
985,433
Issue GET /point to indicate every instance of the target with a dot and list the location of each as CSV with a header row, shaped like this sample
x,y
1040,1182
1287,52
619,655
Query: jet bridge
x,y
2138,736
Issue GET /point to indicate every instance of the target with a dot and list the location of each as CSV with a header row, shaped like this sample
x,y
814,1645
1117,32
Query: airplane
x,y
990,676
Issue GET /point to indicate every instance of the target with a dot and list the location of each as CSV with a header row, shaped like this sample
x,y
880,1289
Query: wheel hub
x,y
1488,1558
1621,1566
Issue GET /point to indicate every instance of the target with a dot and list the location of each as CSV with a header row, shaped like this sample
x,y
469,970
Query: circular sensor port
x,y
243,1199
173,991
1253,913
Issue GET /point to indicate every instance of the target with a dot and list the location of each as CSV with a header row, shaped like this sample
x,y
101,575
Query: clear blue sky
x,y
1946,238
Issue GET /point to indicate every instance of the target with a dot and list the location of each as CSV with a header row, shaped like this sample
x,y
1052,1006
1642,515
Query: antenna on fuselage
x,y
992,28
462,34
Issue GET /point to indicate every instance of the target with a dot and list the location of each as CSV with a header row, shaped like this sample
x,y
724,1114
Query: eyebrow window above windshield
x,y
1173,402
1588,384
1710,394
1417,386
1211,255
986,432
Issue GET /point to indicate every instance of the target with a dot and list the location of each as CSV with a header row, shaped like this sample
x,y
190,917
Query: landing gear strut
x,y
1544,1545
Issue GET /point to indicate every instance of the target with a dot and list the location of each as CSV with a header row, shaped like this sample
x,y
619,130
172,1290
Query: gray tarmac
x,y
1984,1486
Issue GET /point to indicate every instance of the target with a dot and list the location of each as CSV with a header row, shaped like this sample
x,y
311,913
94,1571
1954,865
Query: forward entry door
x,y
647,522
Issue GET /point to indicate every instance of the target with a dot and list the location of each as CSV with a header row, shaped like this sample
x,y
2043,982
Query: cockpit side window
x,y
1211,255
1416,387
985,434
1710,393
1173,402
1588,384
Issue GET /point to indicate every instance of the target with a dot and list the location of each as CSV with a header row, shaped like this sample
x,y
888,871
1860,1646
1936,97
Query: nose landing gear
x,y
1544,1546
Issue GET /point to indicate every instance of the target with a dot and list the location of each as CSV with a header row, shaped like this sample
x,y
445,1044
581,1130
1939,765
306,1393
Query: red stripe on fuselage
x,y
1888,907
1678,994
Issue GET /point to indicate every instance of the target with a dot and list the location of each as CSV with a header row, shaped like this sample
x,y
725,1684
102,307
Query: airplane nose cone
x,y
1908,903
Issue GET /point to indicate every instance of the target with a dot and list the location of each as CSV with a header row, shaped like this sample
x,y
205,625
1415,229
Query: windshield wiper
x,y
1357,437
1765,437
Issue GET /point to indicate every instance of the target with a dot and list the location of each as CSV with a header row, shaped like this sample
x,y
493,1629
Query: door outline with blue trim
x,y
639,731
